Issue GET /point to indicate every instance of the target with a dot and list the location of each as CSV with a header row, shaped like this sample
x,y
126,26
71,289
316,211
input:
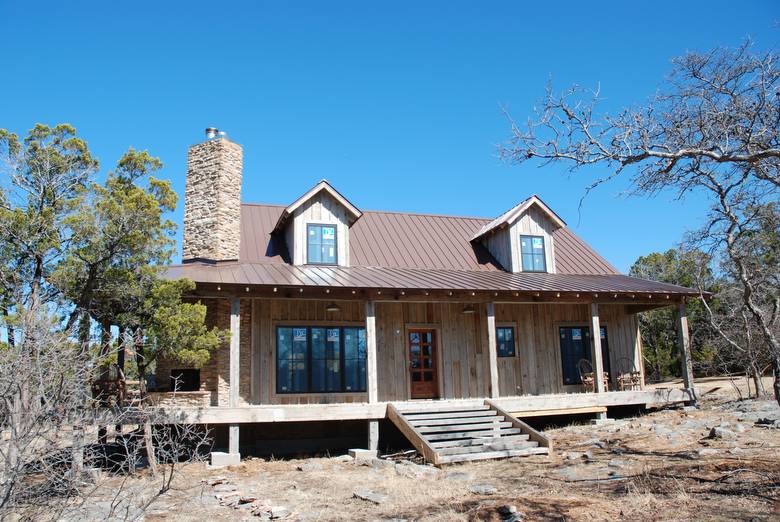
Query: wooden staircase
x,y
457,433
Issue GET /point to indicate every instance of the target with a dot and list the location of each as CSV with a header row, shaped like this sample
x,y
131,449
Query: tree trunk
x,y
140,362
755,374
149,443
777,378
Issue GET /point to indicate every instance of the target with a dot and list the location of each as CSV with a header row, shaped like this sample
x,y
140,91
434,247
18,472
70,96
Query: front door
x,y
423,364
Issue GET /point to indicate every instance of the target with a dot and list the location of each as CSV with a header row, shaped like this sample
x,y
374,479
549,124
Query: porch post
x,y
371,373
235,359
595,345
492,349
684,342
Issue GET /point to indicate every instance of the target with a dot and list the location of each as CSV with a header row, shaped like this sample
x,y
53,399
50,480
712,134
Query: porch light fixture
x,y
332,307
468,309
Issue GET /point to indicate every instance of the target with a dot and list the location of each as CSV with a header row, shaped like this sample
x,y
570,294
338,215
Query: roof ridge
x,y
427,214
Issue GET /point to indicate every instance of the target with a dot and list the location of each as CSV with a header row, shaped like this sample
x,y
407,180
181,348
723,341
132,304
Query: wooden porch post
x,y
492,350
235,359
684,341
595,345
371,372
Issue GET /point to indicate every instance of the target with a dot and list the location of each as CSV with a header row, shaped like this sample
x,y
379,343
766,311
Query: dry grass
x,y
659,478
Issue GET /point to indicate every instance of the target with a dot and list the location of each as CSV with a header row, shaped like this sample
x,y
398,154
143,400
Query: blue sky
x,y
396,103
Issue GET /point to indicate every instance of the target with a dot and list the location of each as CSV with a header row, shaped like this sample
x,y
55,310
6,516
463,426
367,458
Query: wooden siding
x,y
533,222
536,367
464,370
320,209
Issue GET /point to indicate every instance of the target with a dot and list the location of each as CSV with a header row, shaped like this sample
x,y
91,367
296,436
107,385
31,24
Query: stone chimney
x,y
212,199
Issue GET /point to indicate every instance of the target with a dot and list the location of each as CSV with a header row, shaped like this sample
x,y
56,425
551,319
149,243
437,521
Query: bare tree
x,y
713,129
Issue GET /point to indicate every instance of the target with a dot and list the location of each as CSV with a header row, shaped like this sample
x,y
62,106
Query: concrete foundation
x,y
220,459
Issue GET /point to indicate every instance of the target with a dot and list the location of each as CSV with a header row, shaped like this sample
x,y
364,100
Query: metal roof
x,y
406,251
244,273
408,240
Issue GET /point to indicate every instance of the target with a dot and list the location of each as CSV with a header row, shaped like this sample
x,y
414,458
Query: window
x,y
505,341
185,380
320,359
321,245
575,346
532,253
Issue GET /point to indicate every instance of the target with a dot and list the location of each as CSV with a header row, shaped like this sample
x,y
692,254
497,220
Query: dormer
x,y
521,239
316,227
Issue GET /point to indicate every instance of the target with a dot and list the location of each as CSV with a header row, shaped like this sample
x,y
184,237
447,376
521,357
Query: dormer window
x,y
532,253
321,244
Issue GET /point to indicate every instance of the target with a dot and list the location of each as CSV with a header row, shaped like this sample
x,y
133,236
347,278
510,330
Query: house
x,y
454,328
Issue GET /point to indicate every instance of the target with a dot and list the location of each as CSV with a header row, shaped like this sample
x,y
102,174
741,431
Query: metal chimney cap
x,y
211,133
221,134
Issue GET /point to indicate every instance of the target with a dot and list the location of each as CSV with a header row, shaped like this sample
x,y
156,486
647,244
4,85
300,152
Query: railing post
x,y
235,365
595,345
684,342
371,372
492,350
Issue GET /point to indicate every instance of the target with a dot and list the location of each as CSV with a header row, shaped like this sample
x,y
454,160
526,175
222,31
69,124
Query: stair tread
x,y
484,448
455,421
492,455
443,409
450,415
471,434
464,427
478,440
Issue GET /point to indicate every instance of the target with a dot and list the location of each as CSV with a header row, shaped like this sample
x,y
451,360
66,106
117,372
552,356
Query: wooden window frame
x,y
309,359
335,243
543,254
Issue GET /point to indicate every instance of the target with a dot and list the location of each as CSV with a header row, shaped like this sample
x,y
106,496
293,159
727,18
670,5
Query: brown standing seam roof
x,y
415,279
405,240
393,250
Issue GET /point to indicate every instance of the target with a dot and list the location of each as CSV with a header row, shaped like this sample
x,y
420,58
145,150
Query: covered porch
x,y
469,359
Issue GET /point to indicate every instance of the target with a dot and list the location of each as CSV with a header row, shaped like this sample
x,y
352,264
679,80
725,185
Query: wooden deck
x,y
551,404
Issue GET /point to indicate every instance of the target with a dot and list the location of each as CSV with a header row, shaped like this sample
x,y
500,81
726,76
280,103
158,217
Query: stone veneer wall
x,y
215,374
212,201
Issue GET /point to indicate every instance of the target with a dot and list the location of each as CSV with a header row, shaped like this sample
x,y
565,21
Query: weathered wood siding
x,y
463,363
536,367
320,209
533,222
269,314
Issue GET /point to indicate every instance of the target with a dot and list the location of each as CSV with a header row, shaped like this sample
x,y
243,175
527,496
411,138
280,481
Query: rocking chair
x,y
628,377
588,376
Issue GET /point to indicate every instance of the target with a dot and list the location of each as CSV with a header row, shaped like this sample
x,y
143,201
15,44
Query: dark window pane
x,y
283,343
354,359
575,346
505,338
283,381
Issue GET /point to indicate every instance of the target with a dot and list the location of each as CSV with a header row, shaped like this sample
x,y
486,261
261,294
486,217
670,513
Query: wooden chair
x,y
588,376
628,377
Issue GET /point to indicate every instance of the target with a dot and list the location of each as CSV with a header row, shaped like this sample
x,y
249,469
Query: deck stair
x,y
454,432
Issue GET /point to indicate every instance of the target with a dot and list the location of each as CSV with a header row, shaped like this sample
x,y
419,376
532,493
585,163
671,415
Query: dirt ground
x,y
662,465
